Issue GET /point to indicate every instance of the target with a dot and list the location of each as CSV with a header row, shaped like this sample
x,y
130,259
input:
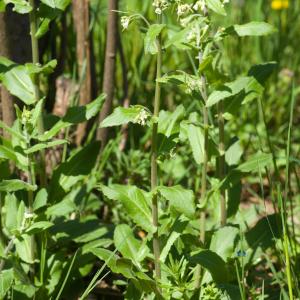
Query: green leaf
x,y
254,29
77,167
127,244
11,209
180,199
7,153
213,263
263,71
233,153
47,69
135,203
175,232
168,122
38,227
216,6
224,241
40,199
23,248
229,90
62,208
75,115
256,162
14,185
122,115
19,84
20,6
150,41
44,145
59,4
6,281
12,131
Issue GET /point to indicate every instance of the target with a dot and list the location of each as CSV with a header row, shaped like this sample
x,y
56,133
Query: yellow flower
x,y
280,4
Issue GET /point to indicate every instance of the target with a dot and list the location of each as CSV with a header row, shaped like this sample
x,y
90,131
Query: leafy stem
x,y
221,125
35,60
154,154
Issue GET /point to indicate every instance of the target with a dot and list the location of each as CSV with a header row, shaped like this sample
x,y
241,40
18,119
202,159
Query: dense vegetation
x,y
149,150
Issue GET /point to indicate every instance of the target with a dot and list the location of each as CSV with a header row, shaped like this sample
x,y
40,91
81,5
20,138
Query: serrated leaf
x,y
150,41
254,29
182,200
135,203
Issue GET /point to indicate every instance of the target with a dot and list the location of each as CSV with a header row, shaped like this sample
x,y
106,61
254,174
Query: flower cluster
x,y
160,5
125,22
142,117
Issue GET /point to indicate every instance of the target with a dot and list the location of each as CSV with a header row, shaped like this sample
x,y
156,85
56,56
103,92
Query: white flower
x,y
142,117
182,9
158,11
125,22
200,5
28,215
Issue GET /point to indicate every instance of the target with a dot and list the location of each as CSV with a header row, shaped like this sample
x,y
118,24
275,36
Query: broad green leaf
x,y
127,244
62,208
19,84
233,153
11,212
7,153
44,145
168,122
263,71
109,257
38,227
180,199
23,248
213,263
150,41
59,4
256,163
13,185
216,6
75,115
6,281
135,203
122,115
175,232
224,242
77,167
20,6
41,199
230,89
254,29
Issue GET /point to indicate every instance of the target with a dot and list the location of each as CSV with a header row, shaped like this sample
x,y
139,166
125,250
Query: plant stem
x,y
35,60
221,125
154,178
204,172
